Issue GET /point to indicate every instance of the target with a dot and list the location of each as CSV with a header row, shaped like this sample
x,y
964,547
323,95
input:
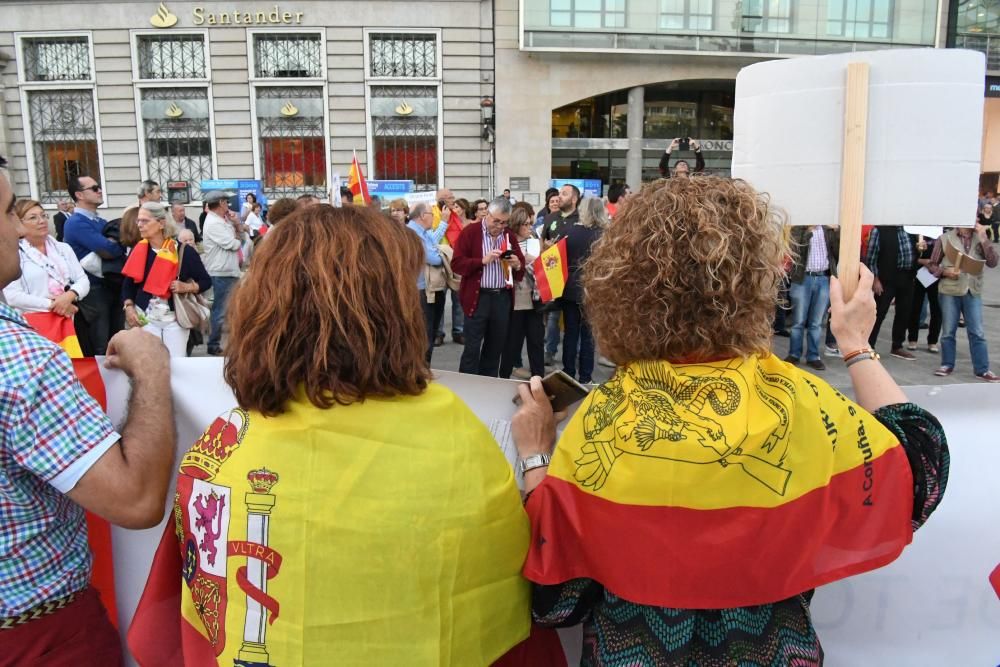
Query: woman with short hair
x,y
157,269
697,498
371,519
51,281
526,319
399,210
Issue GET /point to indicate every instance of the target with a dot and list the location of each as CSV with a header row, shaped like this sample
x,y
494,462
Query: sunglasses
x,y
92,188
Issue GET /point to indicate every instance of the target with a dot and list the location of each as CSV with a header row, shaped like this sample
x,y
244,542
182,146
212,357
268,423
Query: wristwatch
x,y
532,462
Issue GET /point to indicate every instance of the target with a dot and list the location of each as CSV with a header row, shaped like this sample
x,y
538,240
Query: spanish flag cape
x,y
718,485
552,271
388,532
161,274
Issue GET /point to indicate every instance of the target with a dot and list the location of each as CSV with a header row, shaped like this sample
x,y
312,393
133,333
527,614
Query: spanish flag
x,y
57,329
552,271
716,485
356,182
340,537
161,273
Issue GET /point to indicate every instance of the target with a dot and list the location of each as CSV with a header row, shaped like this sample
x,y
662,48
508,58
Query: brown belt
x,y
45,609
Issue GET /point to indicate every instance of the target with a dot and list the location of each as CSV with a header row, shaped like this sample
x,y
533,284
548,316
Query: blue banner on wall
x,y
590,187
389,189
239,188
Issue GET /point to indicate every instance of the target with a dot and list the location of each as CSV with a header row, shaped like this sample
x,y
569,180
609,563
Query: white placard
x,y
925,126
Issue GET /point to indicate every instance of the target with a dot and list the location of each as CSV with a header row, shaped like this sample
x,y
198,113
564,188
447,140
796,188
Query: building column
x,y
633,159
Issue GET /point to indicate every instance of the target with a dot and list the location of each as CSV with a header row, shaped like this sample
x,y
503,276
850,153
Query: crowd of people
x,y
919,277
391,496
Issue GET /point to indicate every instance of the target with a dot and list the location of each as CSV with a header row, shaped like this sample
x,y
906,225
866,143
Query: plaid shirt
x,y
51,432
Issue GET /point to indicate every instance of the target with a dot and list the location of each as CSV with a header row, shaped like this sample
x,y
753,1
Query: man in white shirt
x,y
222,238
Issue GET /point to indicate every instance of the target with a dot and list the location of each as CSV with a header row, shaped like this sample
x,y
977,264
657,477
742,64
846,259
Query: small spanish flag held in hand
x,y
552,272
356,182
57,329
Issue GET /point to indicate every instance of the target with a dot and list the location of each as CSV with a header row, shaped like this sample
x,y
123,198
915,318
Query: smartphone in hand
x,y
562,390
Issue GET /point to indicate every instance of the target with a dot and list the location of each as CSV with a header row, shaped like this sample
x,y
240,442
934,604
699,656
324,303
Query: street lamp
x,y
489,122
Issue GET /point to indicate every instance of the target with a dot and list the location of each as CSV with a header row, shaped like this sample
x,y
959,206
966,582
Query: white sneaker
x,y
604,361
832,351
521,374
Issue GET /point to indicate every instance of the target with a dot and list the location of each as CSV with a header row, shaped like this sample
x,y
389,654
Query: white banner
x,y
934,606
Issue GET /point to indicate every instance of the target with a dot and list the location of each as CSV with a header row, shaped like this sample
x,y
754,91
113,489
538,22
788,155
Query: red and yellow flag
x,y
161,274
356,181
552,271
716,485
58,329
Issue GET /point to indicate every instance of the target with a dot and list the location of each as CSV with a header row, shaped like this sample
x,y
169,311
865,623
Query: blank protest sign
x,y
924,141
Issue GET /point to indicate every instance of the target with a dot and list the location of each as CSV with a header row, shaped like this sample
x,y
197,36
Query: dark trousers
x,y
93,320
577,341
898,286
524,325
934,328
433,314
486,333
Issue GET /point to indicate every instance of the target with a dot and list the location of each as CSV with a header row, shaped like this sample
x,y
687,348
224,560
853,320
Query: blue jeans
x,y
810,300
552,333
970,305
221,287
578,341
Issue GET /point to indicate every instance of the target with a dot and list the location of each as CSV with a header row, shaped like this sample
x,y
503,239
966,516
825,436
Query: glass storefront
x,y
751,26
975,25
590,136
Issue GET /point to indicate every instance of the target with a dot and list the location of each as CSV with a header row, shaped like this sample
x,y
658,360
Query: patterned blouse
x,y
617,632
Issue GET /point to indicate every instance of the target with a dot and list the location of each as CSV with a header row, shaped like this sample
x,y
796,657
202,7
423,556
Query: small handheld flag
x,y
552,272
356,182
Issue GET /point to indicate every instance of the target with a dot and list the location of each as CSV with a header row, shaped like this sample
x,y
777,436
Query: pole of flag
x,y
356,181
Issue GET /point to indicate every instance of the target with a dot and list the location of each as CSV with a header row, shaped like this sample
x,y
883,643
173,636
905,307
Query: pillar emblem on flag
x,y
262,564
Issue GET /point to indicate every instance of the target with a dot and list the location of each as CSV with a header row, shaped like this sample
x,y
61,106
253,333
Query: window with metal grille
x,y
171,56
177,135
587,13
686,14
403,55
56,58
405,134
860,19
64,139
290,128
288,56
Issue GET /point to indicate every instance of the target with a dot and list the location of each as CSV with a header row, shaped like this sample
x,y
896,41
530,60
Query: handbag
x,y
192,310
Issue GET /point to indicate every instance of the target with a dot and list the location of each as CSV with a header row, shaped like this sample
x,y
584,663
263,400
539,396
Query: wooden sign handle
x,y
852,177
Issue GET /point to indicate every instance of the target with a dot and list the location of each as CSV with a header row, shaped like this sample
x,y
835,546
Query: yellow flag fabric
x,y
388,532
671,475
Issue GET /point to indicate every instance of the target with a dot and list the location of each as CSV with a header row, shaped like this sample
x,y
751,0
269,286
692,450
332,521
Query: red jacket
x,y
468,263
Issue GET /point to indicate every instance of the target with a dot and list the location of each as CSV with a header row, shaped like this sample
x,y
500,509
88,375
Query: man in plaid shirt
x,y
59,455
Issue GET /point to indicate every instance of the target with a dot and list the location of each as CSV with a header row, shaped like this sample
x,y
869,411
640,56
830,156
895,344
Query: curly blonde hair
x,y
689,271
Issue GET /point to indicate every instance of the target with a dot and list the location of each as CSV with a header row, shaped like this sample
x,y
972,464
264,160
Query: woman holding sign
x,y
697,498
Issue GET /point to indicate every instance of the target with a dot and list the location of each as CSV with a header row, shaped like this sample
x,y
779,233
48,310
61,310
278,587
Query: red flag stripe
x,y
733,557
98,530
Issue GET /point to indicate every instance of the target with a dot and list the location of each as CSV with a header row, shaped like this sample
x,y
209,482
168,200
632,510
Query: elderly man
x,y
149,191
179,214
489,259
60,218
223,240
59,455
